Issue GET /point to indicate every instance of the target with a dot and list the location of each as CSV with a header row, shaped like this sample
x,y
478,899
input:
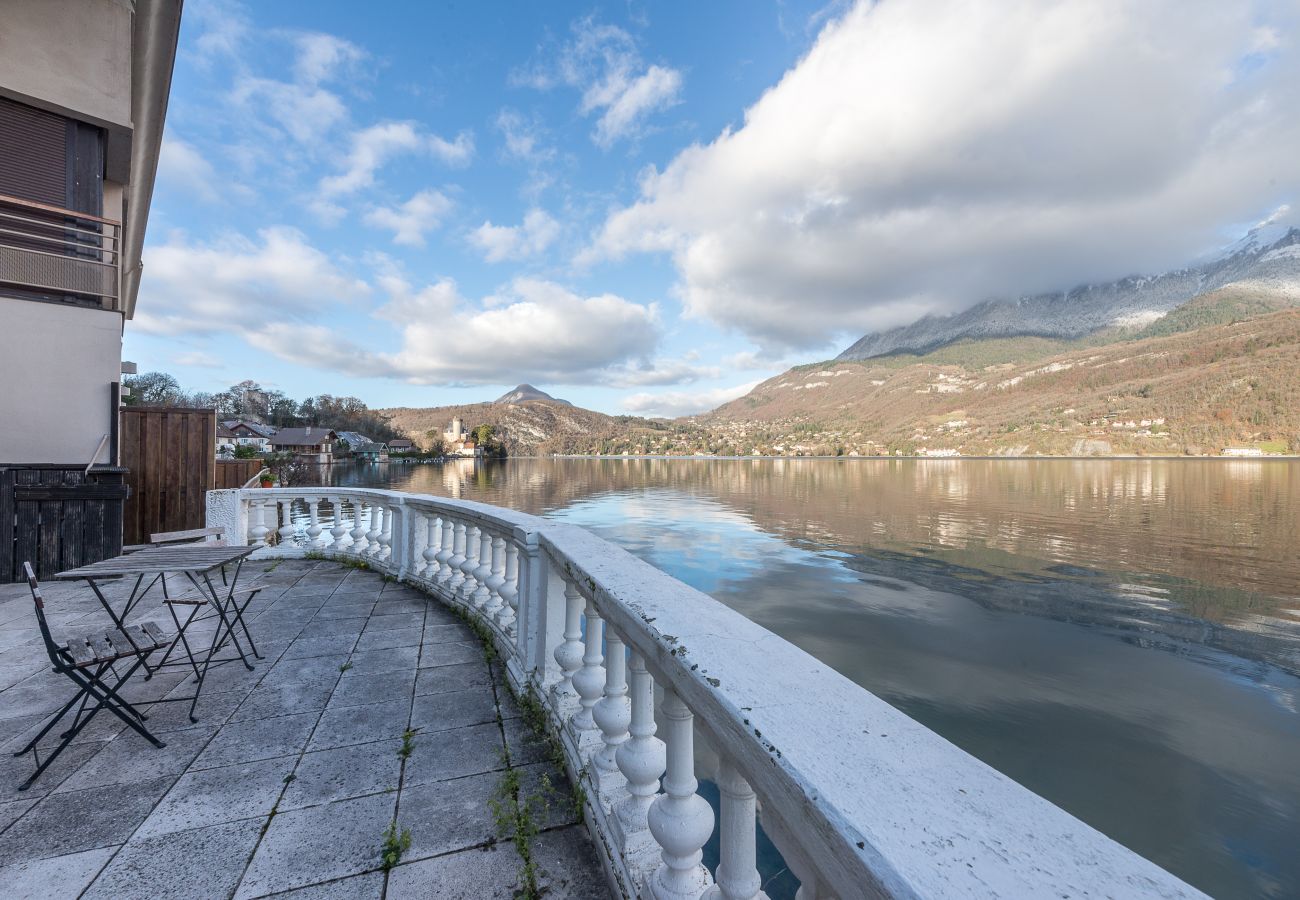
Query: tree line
x,y
249,400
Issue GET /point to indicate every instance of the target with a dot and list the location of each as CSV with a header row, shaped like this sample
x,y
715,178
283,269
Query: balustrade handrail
x,y
862,800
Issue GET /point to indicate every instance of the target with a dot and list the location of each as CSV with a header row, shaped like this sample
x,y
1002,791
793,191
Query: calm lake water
x,y
1122,637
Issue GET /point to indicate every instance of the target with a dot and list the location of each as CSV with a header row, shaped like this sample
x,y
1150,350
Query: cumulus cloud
x,y
662,372
535,331
374,146
322,56
684,403
195,288
410,221
602,61
501,242
926,155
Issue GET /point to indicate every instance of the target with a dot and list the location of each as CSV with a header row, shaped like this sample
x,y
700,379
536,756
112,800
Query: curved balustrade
x,y
860,800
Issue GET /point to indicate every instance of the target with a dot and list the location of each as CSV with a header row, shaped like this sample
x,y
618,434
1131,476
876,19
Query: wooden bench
x,y
211,537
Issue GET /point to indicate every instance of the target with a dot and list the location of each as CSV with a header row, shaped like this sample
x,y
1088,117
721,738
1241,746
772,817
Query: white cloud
x,y
685,403
322,56
233,283
523,139
661,372
926,155
602,61
198,359
410,221
501,242
535,331
372,147
181,164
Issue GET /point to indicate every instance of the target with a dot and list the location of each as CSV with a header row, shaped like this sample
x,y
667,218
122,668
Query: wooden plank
x,y
10,567
71,551
100,646
155,633
154,488
26,523
80,653
50,513
183,558
191,534
64,493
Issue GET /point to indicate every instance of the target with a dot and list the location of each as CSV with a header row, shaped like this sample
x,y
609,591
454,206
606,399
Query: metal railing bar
x,y
45,207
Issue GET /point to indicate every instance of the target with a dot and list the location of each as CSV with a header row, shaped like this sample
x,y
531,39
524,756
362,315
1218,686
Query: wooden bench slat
x,y
192,534
100,646
81,654
155,633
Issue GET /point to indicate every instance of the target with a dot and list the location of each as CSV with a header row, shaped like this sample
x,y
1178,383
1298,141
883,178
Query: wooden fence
x,y
171,457
235,473
58,517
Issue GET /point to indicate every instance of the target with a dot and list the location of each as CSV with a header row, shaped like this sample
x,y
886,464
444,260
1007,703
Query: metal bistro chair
x,y
86,660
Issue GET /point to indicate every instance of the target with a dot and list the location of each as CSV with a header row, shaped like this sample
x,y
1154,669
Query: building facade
x,y
83,95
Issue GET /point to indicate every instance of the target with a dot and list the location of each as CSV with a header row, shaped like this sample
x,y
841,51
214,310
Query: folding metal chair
x,y
86,660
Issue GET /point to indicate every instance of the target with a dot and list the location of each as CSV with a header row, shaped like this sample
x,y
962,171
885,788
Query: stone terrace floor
x,y
292,774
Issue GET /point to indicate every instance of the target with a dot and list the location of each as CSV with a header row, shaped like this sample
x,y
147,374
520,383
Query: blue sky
x,y
649,207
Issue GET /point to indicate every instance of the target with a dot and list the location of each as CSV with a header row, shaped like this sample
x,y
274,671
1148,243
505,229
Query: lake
x,y
1120,636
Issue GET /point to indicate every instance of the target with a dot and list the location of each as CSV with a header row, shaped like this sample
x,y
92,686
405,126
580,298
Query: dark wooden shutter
x,y
33,154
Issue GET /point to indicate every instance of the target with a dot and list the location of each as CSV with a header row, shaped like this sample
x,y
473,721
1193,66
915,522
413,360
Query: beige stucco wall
x,y
70,56
57,363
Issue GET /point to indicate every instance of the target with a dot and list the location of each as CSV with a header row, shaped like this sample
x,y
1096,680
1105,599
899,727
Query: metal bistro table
x,y
197,564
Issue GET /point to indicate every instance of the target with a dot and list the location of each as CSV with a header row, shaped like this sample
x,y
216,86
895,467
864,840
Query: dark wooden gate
x,y
58,517
171,455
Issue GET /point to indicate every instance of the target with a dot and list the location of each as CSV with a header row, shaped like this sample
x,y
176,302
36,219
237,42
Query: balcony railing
x,y
59,253
860,800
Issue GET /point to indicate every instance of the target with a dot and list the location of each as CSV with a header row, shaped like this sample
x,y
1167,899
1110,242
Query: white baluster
x,y
496,578
385,533
286,523
737,875
472,545
358,545
340,530
641,760
259,530
457,563
568,655
680,819
445,568
612,714
314,529
372,534
433,528
509,591
589,681
483,571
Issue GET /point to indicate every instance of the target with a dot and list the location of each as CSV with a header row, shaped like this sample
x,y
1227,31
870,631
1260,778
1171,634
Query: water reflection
x,y
1119,636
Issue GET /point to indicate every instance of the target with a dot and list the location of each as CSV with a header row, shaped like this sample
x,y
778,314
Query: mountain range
x,y
1183,362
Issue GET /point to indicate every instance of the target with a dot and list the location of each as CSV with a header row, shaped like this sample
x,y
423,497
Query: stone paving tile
x,y
55,878
448,815
214,796
324,646
15,770
568,865
447,634
478,874
374,662
362,690
455,753
359,887
305,846
458,677
345,610
333,627
81,820
379,622
435,654
525,746
240,742
327,775
11,810
306,668
360,724
130,758
268,700
214,708
440,712
203,862
383,640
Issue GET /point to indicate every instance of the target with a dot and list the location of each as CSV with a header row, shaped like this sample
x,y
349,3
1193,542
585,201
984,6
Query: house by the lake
x,y
311,444
251,434
401,445
227,440
354,439
372,452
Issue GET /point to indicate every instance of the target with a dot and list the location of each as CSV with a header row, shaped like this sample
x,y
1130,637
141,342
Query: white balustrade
x,y
845,827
